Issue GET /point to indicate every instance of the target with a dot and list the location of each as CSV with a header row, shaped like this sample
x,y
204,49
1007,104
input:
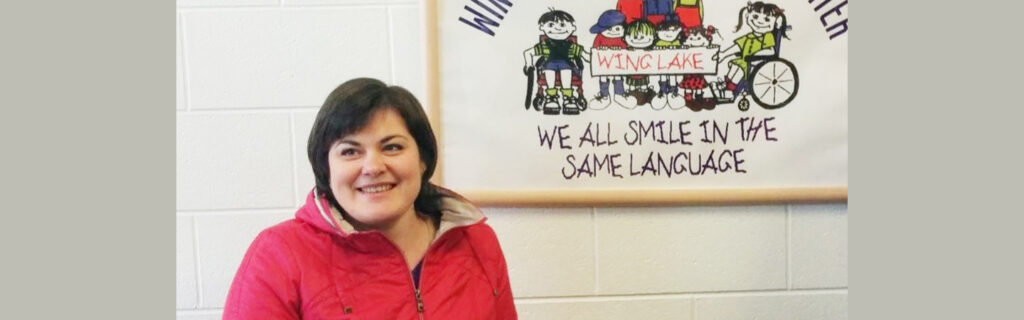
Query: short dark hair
x,y
348,109
669,23
555,15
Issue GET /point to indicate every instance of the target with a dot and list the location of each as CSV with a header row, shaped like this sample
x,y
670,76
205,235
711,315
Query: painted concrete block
x,y
595,309
222,242
234,161
302,123
819,246
200,315
702,249
185,265
348,2
282,57
407,49
226,3
550,251
179,100
787,307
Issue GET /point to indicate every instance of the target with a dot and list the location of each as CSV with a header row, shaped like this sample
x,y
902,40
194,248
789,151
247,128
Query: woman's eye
x,y
347,152
393,147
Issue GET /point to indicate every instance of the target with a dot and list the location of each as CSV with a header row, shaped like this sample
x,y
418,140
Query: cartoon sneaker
x,y
676,101
722,89
659,101
551,105
627,101
600,102
570,107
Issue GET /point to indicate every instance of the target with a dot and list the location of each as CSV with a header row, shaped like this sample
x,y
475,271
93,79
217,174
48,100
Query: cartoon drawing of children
x,y
668,38
765,21
610,28
694,84
639,36
690,12
559,57
657,11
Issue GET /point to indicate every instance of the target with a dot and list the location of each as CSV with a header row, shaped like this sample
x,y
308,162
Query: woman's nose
x,y
373,164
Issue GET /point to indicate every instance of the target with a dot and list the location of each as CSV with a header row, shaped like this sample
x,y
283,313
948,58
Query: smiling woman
x,y
375,240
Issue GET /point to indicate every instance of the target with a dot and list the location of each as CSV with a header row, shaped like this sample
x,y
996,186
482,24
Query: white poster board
x,y
505,140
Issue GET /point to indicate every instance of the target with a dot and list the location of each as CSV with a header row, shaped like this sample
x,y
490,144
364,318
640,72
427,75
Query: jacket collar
x,y
456,211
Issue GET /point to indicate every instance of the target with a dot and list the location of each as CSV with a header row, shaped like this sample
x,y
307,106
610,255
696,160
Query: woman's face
x,y
376,172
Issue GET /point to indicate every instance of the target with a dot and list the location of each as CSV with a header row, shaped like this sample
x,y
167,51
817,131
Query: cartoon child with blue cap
x,y
610,29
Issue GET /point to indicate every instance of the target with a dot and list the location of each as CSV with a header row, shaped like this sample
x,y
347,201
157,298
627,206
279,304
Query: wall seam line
x,y
199,312
693,295
234,211
789,247
593,224
186,94
295,161
693,308
282,5
240,8
388,20
248,110
196,264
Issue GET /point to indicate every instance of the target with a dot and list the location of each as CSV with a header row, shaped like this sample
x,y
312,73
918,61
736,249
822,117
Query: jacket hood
x,y
456,211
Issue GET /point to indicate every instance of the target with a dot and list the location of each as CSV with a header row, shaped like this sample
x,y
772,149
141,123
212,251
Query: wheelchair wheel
x,y
744,104
537,102
774,83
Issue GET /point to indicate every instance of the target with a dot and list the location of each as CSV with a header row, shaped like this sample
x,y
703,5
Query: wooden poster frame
x,y
586,198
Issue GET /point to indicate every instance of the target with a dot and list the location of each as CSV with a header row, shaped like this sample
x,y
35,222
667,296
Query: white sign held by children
x,y
608,62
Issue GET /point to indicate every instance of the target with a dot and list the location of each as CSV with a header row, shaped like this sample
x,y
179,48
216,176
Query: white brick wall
x,y
250,76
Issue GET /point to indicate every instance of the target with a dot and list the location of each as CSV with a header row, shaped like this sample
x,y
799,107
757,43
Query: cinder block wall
x,y
250,76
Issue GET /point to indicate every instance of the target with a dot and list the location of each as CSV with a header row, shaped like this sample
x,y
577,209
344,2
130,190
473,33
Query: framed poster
x,y
623,102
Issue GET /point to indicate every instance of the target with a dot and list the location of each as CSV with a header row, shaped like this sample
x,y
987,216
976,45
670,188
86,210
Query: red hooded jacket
x,y
317,266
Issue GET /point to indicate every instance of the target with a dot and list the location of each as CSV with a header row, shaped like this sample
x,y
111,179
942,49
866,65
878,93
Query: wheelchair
x,y
537,79
771,81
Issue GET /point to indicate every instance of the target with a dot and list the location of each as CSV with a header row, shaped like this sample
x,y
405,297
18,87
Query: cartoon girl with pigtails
x,y
694,84
766,21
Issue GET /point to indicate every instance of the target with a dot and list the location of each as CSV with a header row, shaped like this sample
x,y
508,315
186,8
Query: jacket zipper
x,y
423,266
416,285
419,303
423,260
